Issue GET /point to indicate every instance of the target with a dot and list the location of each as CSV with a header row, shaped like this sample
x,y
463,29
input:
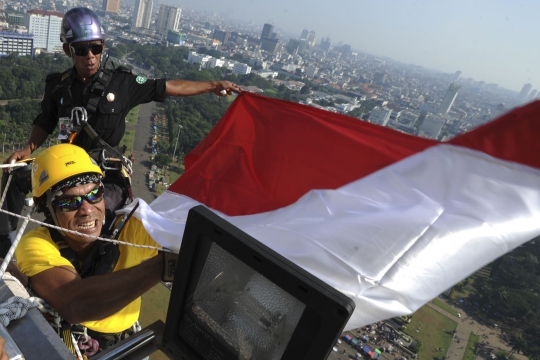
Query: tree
x,y
163,160
518,344
305,90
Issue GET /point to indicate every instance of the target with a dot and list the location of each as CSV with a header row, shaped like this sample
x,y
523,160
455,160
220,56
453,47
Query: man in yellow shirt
x,y
87,281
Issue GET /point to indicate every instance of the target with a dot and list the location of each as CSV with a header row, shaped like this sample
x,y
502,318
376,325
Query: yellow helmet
x,y
58,163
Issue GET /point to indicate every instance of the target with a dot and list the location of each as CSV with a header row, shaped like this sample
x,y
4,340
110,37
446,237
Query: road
x,y
142,155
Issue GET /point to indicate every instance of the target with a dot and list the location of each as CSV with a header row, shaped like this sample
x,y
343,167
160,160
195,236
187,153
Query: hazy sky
x,y
492,40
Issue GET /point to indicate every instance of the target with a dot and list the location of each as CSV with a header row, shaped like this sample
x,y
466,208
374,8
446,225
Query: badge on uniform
x,y
65,126
140,79
110,97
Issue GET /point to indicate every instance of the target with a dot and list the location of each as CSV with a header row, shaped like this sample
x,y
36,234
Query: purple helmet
x,y
80,24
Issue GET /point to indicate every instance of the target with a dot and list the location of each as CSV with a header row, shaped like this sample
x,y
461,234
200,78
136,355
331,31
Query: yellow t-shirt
x,y
37,252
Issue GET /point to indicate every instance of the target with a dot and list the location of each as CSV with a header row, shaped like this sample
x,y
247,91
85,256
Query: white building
x,y
241,69
45,25
380,115
229,64
266,73
169,19
195,58
142,13
407,118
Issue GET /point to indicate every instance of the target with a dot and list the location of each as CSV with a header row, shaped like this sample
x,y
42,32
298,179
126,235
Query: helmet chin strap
x,y
52,210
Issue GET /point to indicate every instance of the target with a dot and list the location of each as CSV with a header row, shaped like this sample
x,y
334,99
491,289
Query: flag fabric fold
x,y
393,235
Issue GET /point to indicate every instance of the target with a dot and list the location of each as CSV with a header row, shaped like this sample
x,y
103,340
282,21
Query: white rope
x,y
76,347
86,235
16,307
15,242
13,165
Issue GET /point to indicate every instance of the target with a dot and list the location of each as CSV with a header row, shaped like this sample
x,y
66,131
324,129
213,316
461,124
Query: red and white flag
x,y
389,219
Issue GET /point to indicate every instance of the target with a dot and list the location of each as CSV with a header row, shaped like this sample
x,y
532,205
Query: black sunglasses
x,y
83,49
72,203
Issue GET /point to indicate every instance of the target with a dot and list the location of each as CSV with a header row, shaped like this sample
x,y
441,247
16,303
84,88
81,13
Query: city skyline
x,y
486,40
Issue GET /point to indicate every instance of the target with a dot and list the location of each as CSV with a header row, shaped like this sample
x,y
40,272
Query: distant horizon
x,y
486,40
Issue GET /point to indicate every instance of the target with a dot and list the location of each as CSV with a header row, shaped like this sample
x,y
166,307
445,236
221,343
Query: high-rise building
x,y
23,44
525,91
267,31
449,99
533,94
169,19
345,51
45,25
311,38
221,36
312,71
142,13
111,6
269,45
175,37
326,44
304,34
456,76
380,78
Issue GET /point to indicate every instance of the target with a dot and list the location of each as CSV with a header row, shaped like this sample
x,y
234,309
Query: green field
x,y
154,307
174,172
434,331
127,141
445,307
471,345
129,135
133,116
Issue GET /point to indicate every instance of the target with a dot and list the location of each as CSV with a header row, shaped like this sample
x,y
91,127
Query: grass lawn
x,y
175,171
160,188
455,295
133,116
154,307
128,140
435,331
471,345
445,307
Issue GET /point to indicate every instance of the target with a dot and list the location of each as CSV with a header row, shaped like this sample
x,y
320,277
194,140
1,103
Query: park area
x,y
433,330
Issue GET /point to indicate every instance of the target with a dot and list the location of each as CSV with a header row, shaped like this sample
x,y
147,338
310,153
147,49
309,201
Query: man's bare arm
x,y
36,138
96,297
188,88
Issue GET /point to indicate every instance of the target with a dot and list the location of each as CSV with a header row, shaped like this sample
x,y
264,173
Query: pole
x,y
176,144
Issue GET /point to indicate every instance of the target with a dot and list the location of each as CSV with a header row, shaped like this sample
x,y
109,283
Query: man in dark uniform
x,y
108,96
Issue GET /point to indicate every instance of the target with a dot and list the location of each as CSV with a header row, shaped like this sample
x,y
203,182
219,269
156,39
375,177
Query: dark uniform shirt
x,y
124,92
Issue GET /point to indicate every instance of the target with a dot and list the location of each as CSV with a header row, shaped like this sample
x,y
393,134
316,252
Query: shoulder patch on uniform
x,y
140,79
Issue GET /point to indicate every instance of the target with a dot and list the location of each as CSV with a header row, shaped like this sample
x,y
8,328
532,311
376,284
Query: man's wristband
x,y
169,266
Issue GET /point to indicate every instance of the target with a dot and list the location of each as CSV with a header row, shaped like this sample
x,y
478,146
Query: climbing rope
x,y
27,218
16,307
86,235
